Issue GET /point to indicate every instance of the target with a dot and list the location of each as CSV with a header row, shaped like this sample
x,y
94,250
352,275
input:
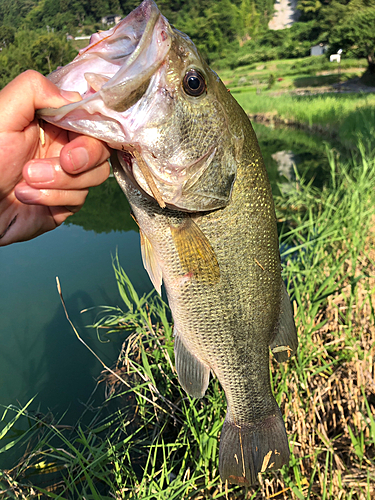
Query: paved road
x,y
285,14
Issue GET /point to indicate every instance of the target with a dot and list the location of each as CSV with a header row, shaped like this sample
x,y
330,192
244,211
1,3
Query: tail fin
x,y
247,450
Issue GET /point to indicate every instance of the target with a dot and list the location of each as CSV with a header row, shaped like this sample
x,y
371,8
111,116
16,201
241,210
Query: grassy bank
x,y
151,441
267,92
292,74
347,117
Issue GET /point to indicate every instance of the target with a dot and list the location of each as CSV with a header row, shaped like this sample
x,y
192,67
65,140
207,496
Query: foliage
x,y
7,36
345,24
13,11
294,42
211,28
229,33
217,27
30,50
356,35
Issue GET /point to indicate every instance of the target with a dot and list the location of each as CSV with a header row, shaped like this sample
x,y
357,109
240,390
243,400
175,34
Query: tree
x,y
249,19
13,11
7,36
49,52
99,8
357,35
114,7
309,8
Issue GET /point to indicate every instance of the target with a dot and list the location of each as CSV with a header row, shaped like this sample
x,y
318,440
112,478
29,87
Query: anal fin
x,y
285,342
192,373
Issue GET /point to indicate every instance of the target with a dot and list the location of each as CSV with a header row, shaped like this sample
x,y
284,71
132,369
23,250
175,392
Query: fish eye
x,y
194,83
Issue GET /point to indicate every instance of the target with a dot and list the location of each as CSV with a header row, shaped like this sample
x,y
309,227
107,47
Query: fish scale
x,y
190,165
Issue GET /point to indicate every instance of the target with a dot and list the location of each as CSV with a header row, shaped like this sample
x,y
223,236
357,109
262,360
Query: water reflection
x,y
39,353
64,368
106,209
285,163
283,148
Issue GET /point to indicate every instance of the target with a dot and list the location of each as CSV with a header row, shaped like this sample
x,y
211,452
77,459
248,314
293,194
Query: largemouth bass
x,y
190,165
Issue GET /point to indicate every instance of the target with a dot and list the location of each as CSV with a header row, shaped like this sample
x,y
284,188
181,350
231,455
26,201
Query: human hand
x,y
42,184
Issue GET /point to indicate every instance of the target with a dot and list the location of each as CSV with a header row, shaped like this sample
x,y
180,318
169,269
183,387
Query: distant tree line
x,y
227,32
341,24
33,32
345,24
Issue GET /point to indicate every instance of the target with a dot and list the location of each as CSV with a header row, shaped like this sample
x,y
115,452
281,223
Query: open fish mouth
x,y
112,74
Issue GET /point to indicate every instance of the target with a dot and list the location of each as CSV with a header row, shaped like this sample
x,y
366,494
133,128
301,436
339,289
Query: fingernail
x,y
79,158
41,172
27,194
70,95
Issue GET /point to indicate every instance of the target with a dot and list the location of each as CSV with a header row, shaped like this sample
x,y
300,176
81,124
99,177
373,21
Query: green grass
x,y
345,117
324,109
349,116
152,441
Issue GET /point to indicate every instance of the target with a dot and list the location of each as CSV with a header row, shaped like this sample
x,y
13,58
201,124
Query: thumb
x,y
24,95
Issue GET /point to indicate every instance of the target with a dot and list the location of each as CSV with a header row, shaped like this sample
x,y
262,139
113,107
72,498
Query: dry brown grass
x,y
328,402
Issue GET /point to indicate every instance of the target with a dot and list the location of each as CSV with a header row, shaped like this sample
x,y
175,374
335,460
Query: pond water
x,y
40,354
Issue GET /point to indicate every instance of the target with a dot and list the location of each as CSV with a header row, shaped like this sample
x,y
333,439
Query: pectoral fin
x,y
192,373
285,343
150,262
195,252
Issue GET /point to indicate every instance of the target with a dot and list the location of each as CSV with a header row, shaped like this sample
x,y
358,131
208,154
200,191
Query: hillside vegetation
x,y
229,33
